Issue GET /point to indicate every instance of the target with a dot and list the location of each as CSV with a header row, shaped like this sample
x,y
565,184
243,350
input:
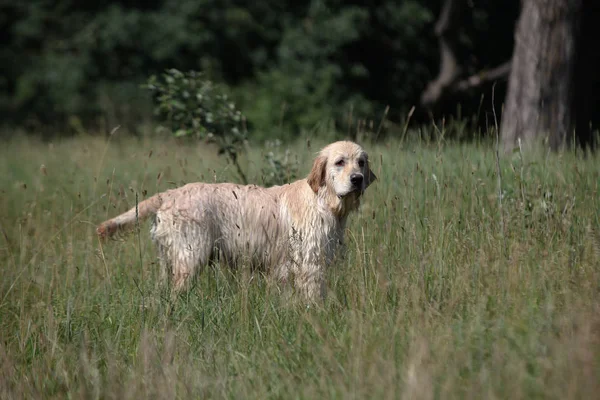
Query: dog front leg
x,y
310,282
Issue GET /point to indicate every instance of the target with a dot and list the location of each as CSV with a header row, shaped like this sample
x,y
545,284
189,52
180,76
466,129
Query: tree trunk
x,y
587,75
540,98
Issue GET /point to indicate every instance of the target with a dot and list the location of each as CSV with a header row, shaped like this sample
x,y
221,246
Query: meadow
x,y
445,291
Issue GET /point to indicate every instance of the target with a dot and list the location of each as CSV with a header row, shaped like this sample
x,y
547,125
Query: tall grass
x,y
434,298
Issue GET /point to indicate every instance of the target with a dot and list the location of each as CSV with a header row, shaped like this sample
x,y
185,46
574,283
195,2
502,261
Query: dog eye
x,y
339,163
361,163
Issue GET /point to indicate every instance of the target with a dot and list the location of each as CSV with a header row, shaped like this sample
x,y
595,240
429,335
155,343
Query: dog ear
x,y
316,177
369,176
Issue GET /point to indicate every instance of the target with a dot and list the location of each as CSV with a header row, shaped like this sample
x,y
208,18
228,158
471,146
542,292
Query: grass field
x,y
444,293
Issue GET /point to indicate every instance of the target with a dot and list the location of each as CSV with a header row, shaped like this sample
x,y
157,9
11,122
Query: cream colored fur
x,y
289,231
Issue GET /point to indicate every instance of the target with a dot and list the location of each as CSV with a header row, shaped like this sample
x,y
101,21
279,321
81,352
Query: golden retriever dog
x,y
290,231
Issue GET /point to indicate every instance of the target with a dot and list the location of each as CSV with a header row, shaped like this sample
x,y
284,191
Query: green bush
x,y
192,106
189,105
280,167
291,65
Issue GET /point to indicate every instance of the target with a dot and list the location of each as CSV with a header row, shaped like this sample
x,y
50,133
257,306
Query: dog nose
x,y
356,179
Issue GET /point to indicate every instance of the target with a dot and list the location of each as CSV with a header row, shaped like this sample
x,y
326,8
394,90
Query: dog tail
x,y
143,210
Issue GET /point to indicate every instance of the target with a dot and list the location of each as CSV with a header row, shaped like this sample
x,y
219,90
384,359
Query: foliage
x,y
338,65
280,168
291,65
432,298
67,57
193,106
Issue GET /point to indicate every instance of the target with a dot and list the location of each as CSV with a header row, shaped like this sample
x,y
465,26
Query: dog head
x,y
341,172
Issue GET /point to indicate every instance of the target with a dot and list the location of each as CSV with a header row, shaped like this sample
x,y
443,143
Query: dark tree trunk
x,y
541,92
587,75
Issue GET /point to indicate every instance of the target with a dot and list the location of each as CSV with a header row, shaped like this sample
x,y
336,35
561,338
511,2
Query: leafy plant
x,y
193,106
280,166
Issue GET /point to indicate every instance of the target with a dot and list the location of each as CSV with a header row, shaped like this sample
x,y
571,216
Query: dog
x,y
290,231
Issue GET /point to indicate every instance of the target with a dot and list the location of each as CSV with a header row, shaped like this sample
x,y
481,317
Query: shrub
x,y
190,105
280,167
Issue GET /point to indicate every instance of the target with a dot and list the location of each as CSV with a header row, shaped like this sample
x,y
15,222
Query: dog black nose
x,y
356,179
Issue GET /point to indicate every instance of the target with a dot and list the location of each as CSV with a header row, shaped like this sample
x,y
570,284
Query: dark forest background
x,y
290,66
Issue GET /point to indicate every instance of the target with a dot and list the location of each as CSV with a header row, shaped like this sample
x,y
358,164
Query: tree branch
x,y
446,31
448,80
501,71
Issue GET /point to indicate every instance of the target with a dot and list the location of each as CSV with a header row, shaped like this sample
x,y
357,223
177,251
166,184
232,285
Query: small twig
x,y
110,188
441,133
239,169
137,225
498,169
385,113
405,130
521,172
